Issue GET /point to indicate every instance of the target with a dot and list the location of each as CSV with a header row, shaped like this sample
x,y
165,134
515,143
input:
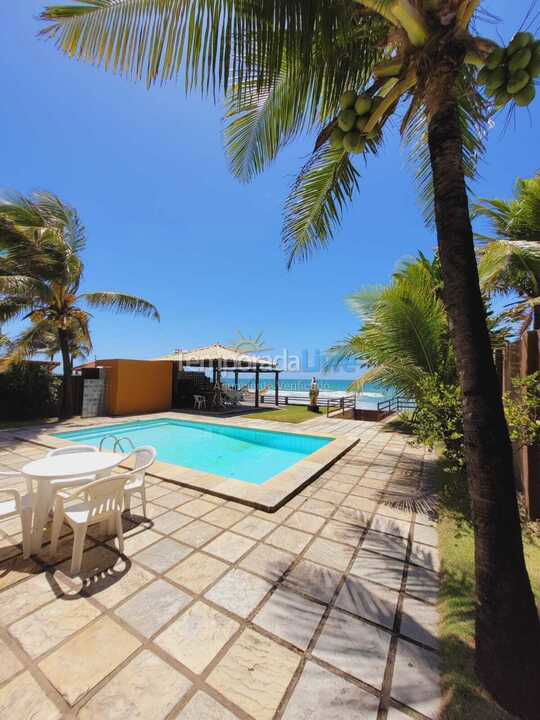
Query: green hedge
x,y
28,391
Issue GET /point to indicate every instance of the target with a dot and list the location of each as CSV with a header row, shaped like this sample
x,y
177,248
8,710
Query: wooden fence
x,y
519,359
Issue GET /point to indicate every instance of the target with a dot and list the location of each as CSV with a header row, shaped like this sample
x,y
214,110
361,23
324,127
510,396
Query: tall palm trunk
x,y
66,408
536,308
507,625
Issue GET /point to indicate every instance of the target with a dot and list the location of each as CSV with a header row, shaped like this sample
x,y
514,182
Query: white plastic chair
x,y
17,505
199,402
143,457
99,501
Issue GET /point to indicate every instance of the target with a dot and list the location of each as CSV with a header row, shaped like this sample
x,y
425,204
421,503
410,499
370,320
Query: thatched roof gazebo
x,y
221,358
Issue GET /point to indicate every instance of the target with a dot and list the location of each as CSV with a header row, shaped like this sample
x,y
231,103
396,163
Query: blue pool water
x,y
253,456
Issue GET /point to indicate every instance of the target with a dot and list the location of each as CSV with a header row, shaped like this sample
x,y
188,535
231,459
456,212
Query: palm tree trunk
x,y
66,408
536,308
507,625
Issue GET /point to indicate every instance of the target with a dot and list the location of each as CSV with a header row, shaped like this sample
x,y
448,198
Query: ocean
x,y
371,395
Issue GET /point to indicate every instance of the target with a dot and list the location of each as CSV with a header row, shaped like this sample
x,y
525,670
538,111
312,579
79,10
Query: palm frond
x,y
315,203
209,42
261,122
120,302
28,343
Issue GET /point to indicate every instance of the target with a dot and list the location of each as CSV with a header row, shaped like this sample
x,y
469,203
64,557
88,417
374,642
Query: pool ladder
x,y
117,442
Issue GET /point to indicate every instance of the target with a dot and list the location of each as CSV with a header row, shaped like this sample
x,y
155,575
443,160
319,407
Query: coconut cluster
x,y
509,72
351,121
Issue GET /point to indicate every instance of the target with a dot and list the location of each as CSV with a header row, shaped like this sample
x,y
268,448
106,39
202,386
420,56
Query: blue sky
x,y
167,221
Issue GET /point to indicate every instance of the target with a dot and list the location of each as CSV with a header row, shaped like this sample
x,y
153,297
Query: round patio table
x,y
61,471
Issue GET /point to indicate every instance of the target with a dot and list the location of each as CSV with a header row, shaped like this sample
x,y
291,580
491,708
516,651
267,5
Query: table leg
x,y
43,501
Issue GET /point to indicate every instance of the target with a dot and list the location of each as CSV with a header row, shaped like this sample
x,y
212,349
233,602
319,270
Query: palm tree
x,y
284,66
404,334
510,258
41,239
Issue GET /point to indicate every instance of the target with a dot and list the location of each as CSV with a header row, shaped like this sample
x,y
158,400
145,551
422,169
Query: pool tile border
x,y
269,497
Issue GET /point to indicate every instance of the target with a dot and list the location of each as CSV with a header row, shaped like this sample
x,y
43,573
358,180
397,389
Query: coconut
x,y
497,79
520,60
525,96
346,120
502,97
353,142
361,122
496,58
336,138
519,41
484,75
362,104
517,82
347,100
534,67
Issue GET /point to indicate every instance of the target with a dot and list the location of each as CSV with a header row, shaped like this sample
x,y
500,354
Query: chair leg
x,y
143,498
119,531
56,529
127,502
79,536
26,522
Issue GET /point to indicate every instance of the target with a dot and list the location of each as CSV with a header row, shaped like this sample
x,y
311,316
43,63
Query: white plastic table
x,y
53,473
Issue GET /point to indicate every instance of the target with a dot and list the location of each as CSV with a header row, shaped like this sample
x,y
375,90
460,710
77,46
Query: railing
x,y
117,442
396,404
344,403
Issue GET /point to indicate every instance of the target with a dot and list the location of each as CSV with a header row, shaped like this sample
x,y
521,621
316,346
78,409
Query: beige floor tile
x,y
323,695
103,645
140,539
326,552
267,561
197,533
290,617
16,569
389,545
229,546
318,507
314,580
45,628
420,622
152,607
23,699
9,663
305,522
173,499
239,592
146,688
379,569
422,583
27,597
254,674
224,517
343,532
197,507
161,556
195,638
203,707
426,556
355,647
254,527
118,582
288,539
170,521
368,600
416,680
197,572
276,517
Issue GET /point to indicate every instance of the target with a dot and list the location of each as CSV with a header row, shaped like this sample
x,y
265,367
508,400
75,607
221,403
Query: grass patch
x,y
463,693
289,413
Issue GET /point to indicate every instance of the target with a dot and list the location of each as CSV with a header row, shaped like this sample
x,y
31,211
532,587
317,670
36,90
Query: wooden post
x,y
277,389
257,387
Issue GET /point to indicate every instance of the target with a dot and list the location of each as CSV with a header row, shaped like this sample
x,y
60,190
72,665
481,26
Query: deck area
x,y
324,609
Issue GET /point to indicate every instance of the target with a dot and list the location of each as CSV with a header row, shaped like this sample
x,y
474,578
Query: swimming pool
x,y
253,456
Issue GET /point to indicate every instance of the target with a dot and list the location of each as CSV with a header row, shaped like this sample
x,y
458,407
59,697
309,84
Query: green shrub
x,y
437,420
523,410
28,391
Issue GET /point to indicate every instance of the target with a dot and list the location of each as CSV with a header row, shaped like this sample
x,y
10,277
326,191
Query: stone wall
x,y
94,396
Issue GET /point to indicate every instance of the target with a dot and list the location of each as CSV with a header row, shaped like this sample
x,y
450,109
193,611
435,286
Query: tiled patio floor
x,y
322,610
